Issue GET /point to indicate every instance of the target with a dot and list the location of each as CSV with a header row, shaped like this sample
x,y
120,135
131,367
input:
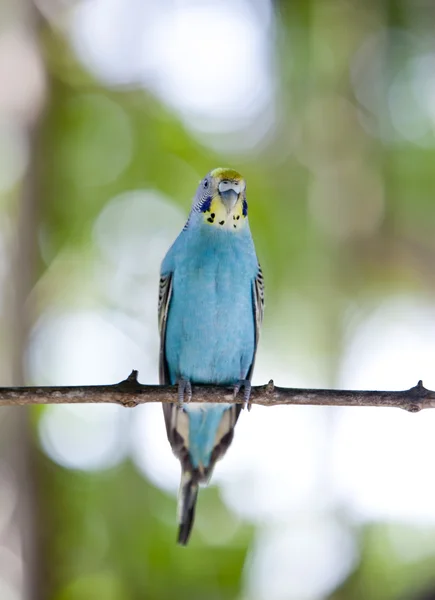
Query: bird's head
x,y
221,200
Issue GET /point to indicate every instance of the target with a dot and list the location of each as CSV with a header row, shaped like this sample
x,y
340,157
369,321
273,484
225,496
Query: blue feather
x,y
204,421
205,206
210,331
210,307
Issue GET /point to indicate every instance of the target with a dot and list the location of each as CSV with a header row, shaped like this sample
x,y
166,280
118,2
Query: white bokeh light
x,y
151,450
108,35
305,560
382,457
80,348
135,229
84,437
393,348
210,62
273,465
132,234
411,101
219,69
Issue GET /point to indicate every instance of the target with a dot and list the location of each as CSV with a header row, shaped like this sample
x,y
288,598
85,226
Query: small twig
x,y
131,393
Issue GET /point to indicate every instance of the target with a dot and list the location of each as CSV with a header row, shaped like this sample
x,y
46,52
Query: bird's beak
x,y
229,192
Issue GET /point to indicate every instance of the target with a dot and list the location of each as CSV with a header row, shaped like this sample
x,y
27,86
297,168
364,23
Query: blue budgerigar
x,y
211,302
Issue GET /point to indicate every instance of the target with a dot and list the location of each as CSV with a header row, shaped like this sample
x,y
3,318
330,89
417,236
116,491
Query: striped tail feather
x,y
178,427
186,506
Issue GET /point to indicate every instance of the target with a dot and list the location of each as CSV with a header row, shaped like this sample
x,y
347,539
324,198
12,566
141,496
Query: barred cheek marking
x,y
205,206
245,208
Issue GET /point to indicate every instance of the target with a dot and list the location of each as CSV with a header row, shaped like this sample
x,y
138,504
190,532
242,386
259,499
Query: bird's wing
x,y
258,305
165,290
169,410
177,422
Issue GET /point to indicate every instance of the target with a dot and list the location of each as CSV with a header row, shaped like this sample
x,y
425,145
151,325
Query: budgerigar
x,y
211,301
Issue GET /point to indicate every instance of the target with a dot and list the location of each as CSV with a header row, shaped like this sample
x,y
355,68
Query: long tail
x,y
186,506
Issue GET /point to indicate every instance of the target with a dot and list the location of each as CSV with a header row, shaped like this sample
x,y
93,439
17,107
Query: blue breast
x,y
210,332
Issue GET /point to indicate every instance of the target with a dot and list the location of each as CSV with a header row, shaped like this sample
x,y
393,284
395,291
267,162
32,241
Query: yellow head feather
x,y
223,173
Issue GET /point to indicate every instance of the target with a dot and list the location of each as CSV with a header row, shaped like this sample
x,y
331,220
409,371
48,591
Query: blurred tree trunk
x,y
18,448
24,448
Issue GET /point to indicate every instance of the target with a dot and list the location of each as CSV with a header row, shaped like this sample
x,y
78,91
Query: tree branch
x,y
130,393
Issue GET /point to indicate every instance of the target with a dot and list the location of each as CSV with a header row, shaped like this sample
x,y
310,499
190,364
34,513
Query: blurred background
x,y
110,113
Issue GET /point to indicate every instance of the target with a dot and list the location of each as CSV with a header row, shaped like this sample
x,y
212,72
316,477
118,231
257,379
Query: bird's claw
x,y
184,389
245,383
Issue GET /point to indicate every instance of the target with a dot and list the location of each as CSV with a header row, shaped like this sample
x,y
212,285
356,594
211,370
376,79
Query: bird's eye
x,y
205,183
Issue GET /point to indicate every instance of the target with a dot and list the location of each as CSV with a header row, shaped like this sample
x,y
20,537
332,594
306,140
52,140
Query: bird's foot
x,y
244,383
184,389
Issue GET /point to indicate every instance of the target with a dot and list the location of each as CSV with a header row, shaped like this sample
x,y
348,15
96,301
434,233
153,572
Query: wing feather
x,y
165,291
258,302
